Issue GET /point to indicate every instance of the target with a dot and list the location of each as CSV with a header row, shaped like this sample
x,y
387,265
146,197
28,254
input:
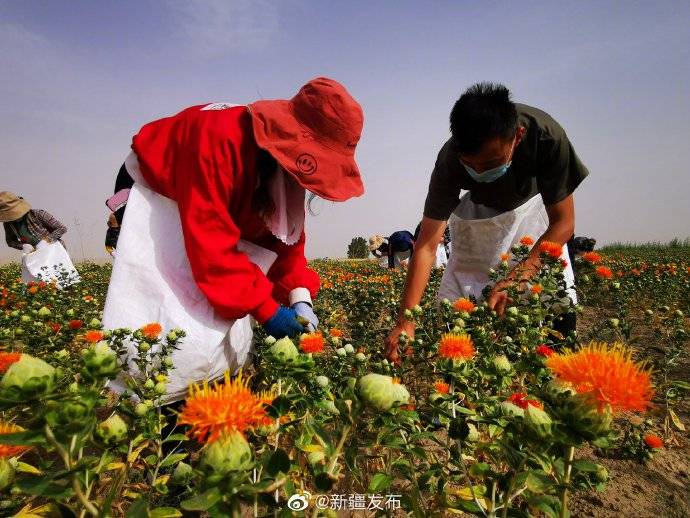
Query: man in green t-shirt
x,y
520,171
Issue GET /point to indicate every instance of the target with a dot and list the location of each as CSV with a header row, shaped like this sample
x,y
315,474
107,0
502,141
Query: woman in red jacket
x,y
237,176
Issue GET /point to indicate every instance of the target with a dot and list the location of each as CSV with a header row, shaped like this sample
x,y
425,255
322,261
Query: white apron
x,y
480,234
49,262
441,257
152,282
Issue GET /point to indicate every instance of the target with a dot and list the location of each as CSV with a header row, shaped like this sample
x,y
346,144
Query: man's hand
x,y
498,299
392,352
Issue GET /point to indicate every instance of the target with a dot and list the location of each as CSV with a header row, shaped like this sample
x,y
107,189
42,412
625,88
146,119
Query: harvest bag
x,y
152,282
49,262
479,235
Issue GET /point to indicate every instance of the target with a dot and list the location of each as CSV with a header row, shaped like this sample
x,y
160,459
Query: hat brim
x,y
16,212
328,173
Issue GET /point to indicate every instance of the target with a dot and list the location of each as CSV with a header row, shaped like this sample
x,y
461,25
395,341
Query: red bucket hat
x,y
313,137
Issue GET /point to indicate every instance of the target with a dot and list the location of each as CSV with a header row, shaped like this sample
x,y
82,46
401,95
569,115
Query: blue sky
x,y
79,78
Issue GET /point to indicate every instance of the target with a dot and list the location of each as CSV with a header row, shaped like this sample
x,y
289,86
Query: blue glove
x,y
305,311
283,323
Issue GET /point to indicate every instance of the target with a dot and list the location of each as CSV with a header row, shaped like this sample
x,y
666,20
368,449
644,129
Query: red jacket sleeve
x,y
233,285
290,271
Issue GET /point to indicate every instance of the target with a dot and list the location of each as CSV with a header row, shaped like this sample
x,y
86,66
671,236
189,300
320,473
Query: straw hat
x,y
376,241
12,207
313,136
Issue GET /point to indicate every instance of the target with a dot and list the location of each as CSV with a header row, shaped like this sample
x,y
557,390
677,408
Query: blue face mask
x,y
488,176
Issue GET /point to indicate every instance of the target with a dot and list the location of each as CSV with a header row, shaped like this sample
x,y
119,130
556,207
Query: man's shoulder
x,y
539,120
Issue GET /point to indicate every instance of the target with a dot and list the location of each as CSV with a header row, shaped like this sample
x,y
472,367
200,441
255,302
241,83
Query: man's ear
x,y
520,133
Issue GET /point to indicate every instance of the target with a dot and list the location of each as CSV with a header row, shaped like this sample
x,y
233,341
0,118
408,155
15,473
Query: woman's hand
x,y
283,323
306,312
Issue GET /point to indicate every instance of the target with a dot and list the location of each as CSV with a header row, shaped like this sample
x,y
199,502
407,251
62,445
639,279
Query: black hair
x,y
483,112
262,202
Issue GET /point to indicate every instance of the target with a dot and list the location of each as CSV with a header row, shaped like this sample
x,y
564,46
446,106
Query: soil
x,y
657,488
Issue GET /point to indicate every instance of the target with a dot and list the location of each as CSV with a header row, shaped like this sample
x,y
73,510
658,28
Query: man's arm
x,y
417,279
560,229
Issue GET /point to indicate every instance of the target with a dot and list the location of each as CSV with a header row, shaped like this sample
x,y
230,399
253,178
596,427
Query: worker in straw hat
x,y
26,227
213,228
397,248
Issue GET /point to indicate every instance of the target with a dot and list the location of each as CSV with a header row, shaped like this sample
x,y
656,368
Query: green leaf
x,y
279,406
40,486
178,437
139,509
278,462
538,481
25,438
173,459
585,466
164,512
549,505
202,502
380,482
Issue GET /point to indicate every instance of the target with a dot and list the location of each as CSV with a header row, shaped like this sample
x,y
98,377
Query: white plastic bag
x,y
49,262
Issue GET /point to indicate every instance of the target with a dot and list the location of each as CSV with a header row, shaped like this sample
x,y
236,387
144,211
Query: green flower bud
x,y
143,347
28,378
44,312
511,410
283,350
349,349
417,310
25,318
112,431
360,357
501,364
70,312
602,474
149,384
160,388
6,473
328,406
168,362
538,421
269,340
95,323
171,336
322,381
182,474
340,351
582,415
228,454
614,322
512,311
141,409
381,392
101,361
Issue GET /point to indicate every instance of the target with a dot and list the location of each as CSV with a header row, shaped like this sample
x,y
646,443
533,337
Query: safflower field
x,y
485,416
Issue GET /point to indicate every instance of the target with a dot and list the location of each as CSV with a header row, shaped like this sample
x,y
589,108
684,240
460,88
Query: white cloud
x,y
217,26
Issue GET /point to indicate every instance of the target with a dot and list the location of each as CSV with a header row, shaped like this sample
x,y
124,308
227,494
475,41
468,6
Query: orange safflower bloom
x,y
93,336
608,373
7,359
550,248
520,399
653,441
526,240
441,387
336,333
33,289
152,330
464,304
311,343
75,324
88,298
455,346
592,257
8,450
604,272
536,289
223,407
505,257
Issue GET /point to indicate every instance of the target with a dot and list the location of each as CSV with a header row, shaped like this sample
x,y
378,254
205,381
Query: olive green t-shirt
x,y
544,162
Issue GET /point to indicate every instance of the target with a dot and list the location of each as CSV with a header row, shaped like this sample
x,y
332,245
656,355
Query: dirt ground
x,y
660,487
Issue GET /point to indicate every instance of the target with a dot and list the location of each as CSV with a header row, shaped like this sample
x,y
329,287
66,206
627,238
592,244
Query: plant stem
x,y
566,481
